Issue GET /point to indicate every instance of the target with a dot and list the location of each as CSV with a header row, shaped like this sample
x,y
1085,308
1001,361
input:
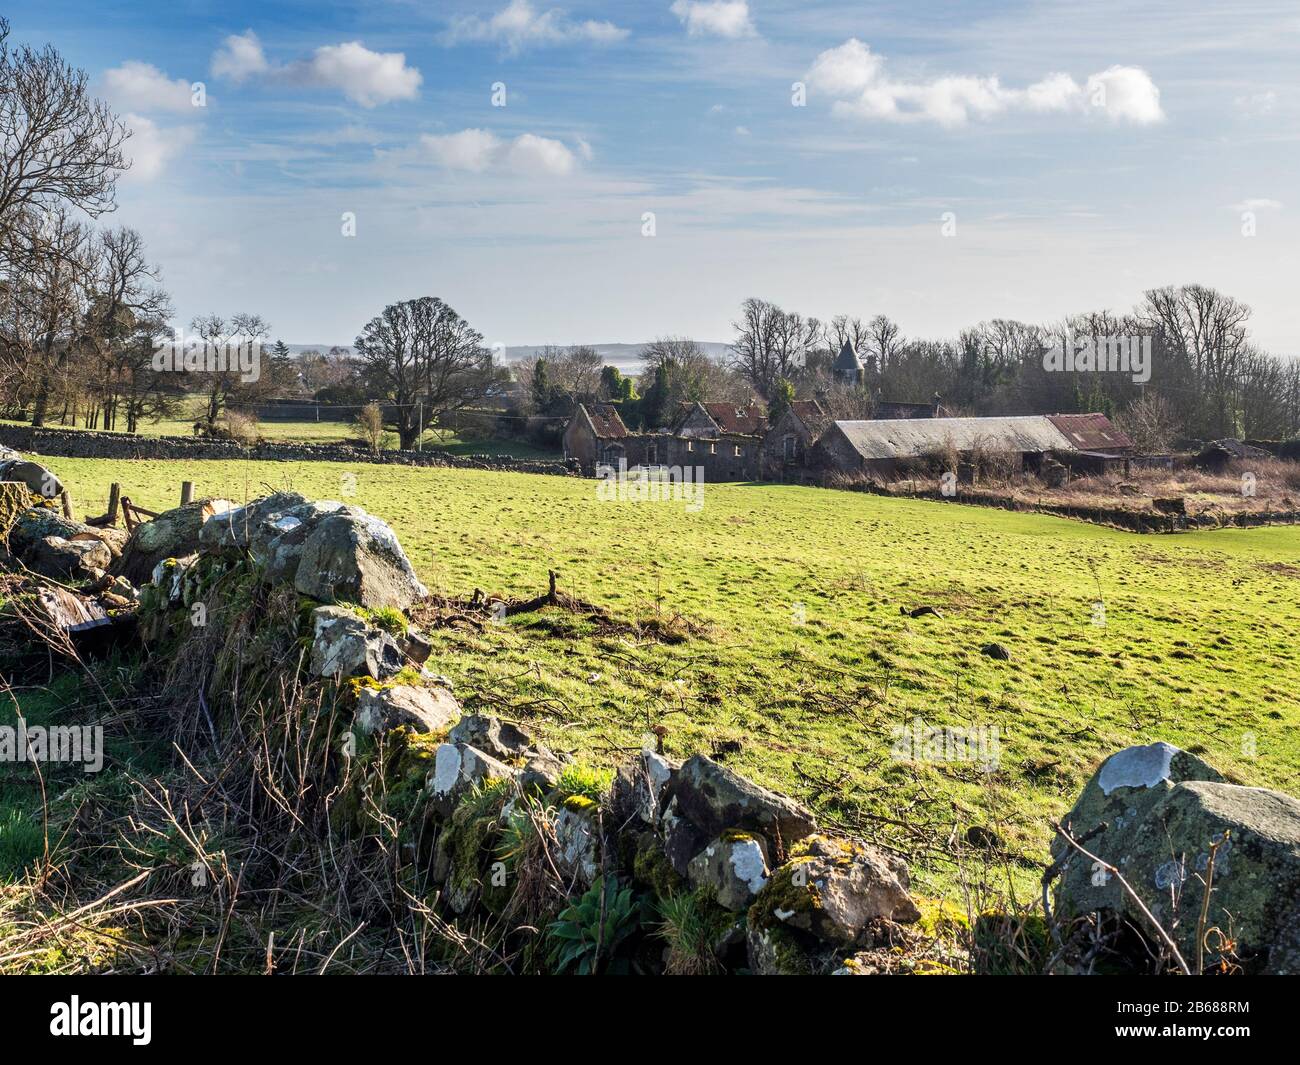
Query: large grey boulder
x,y
577,846
279,545
59,547
1165,810
173,534
1121,794
240,527
638,788
734,867
40,480
833,889
705,799
424,709
501,739
353,557
458,769
68,560
34,524
345,646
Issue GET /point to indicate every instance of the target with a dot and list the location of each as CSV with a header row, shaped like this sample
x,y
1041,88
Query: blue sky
x,y
1085,152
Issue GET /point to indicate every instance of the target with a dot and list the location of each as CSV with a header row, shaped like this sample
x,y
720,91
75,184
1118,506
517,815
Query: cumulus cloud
x,y
478,150
715,18
136,86
856,80
239,58
470,149
364,76
519,25
151,147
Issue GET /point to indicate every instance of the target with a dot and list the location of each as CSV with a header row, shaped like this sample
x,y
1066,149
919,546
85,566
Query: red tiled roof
x,y
1090,432
743,421
606,421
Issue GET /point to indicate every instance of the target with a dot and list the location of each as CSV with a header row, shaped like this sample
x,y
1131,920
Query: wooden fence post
x,y
187,492
114,500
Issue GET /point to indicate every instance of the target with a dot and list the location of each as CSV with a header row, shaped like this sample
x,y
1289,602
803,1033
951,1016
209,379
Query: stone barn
x,y
596,434
788,443
888,448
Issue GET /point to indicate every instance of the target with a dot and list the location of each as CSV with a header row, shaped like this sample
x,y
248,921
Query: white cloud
x,y
137,86
1256,205
364,77
533,154
470,149
151,147
1127,94
478,150
240,57
715,18
855,78
519,25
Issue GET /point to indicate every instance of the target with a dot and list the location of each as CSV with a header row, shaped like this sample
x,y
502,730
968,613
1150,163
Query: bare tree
x,y
425,360
693,375
886,340
57,142
1151,424
772,344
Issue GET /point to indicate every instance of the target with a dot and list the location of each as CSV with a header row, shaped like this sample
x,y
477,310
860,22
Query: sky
x,y
611,172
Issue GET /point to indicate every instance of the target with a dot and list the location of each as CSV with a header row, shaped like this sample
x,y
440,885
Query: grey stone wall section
x,y
83,444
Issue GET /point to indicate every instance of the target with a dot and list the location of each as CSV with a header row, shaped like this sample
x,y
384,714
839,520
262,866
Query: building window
x,y
652,454
690,445
740,451
788,447
713,449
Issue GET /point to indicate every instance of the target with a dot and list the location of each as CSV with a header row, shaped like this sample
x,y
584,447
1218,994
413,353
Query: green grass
x,y
799,651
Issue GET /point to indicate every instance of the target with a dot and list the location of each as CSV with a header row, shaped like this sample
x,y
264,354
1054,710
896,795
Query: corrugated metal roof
x,y
1091,432
909,437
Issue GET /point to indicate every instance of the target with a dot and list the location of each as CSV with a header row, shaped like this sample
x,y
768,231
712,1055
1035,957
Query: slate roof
x,y
911,437
847,359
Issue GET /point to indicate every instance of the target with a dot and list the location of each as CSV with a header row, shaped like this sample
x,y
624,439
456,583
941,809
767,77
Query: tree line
x,y
1207,378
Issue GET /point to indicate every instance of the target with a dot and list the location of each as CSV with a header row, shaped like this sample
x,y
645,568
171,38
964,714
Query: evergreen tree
x,y
541,386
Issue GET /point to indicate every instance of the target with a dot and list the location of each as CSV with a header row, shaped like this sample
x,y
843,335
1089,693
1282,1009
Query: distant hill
x,y
624,356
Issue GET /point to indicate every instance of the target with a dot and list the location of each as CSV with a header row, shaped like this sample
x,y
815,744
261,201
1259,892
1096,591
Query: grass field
x,y
797,649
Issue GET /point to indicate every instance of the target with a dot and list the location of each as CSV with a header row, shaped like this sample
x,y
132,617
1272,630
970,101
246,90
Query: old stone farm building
x,y
736,443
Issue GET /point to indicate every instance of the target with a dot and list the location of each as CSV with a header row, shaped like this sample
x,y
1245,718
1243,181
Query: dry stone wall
x,y
76,443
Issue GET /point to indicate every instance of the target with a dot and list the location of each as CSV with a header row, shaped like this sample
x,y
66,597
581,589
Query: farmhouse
x,y
885,447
